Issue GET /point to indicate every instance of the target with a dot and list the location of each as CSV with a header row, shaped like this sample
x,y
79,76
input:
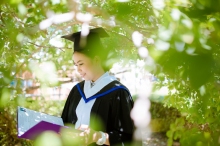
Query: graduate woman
x,y
100,101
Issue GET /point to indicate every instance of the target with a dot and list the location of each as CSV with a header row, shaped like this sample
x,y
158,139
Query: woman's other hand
x,y
89,135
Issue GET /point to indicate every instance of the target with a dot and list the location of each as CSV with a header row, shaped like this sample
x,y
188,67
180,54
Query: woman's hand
x,y
89,135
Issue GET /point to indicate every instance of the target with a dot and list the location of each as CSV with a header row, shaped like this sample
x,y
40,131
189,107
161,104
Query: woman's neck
x,y
98,75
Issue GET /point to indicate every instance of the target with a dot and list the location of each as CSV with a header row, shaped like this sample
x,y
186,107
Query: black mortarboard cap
x,y
92,40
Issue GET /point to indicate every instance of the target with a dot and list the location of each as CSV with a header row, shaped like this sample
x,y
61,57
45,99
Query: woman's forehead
x,y
77,56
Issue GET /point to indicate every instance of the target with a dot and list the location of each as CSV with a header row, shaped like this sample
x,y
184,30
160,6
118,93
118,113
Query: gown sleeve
x,y
65,112
122,126
69,114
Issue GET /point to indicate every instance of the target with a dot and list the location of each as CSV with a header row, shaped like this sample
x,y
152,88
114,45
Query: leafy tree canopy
x,y
180,46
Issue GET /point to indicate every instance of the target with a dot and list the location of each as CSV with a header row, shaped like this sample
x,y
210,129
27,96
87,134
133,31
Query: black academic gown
x,y
113,110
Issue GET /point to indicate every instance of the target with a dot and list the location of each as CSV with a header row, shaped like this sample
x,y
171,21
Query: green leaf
x,y
169,134
177,135
30,20
207,135
169,142
4,97
15,1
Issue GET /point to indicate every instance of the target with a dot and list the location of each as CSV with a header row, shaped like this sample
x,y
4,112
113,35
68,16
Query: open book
x,y
31,123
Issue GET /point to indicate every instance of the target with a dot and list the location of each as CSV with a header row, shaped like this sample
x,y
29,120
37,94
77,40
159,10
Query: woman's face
x,y
86,66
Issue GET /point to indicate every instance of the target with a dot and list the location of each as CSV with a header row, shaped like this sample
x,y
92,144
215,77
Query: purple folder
x,y
31,123
38,129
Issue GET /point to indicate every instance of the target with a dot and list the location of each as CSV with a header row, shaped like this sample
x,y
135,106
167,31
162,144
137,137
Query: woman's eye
x,y
81,64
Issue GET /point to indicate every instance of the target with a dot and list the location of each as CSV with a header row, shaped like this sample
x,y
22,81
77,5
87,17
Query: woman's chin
x,y
86,79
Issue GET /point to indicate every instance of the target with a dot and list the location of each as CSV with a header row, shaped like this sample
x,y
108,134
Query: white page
x,y
27,118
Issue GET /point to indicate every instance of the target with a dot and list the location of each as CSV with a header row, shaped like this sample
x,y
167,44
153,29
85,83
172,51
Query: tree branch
x,y
45,46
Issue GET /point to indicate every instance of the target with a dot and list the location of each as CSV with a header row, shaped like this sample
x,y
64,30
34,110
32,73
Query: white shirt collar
x,y
104,80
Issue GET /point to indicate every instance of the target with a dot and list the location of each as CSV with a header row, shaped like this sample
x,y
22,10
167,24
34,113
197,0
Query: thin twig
x,y
45,46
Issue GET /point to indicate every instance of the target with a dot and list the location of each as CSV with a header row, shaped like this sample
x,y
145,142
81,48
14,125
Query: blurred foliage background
x,y
181,38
